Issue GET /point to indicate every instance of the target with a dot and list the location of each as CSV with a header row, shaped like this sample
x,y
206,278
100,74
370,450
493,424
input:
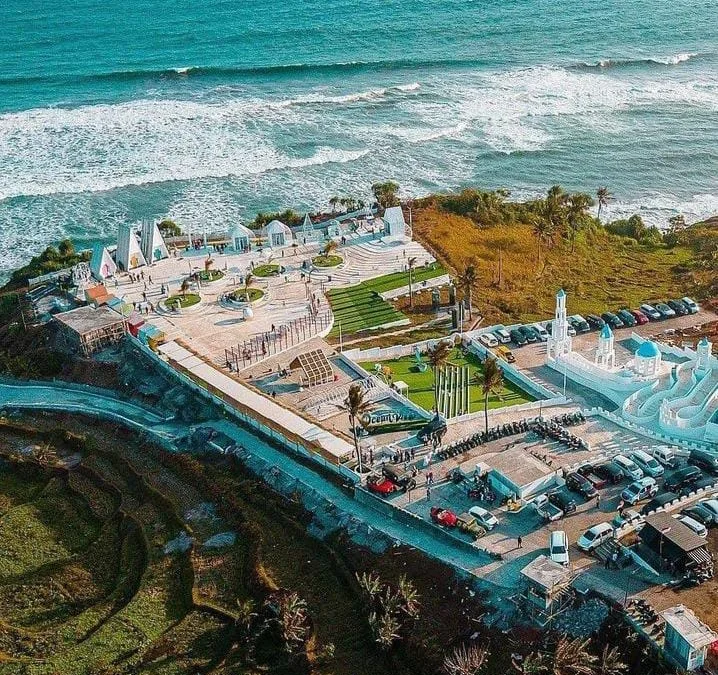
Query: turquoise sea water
x,y
210,110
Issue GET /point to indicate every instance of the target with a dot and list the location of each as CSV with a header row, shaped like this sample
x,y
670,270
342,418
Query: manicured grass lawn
x,y
240,295
211,275
421,385
266,270
184,300
360,307
327,260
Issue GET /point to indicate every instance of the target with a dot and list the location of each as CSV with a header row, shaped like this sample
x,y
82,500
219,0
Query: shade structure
x,y
315,367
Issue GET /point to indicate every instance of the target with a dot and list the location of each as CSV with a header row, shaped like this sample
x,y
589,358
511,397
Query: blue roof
x,y
606,332
648,350
704,341
561,293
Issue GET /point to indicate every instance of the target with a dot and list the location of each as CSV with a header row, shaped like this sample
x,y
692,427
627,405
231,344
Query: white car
x,y
502,335
698,528
629,468
591,539
691,304
558,547
640,489
486,519
651,312
712,506
649,465
488,340
540,331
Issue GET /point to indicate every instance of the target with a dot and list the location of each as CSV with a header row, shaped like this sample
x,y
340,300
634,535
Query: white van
x,y
649,465
593,538
558,547
629,468
665,455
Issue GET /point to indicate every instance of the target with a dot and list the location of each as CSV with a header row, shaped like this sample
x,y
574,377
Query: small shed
x,y
278,234
240,238
516,472
687,638
394,223
667,542
97,295
546,589
315,368
89,329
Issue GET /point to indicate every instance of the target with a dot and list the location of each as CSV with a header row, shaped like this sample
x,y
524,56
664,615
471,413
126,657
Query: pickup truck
x,y
548,511
469,524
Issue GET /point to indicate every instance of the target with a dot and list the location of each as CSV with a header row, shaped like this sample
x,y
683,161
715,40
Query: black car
x,y
609,471
579,323
700,513
678,307
659,500
562,500
701,483
518,338
627,318
578,483
708,461
403,479
529,333
612,320
682,478
595,322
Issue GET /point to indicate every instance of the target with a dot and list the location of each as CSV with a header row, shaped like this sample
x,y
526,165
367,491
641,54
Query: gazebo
x,y
240,237
278,234
394,223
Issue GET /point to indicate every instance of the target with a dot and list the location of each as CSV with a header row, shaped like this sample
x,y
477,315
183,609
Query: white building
x,y
394,223
240,238
129,255
152,243
605,353
687,638
559,342
278,234
647,360
102,265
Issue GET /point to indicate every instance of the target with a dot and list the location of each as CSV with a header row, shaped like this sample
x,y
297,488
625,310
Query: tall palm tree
x,y
466,280
603,196
437,356
609,663
542,231
184,287
410,263
329,247
465,660
333,203
491,380
355,406
578,205
571,657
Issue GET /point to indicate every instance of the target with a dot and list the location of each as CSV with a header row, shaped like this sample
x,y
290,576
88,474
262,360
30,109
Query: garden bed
x,y
240,295
327,260
268,270
211,275
185,301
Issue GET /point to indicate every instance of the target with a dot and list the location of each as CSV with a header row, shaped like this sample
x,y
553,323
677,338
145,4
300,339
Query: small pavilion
x,y
240,238
278,234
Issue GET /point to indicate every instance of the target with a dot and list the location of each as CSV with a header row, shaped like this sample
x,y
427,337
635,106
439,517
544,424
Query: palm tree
x,y
208,262
410,265
571,657
248,281
603,196
465,660
609,663
293,620
466,280
491,380
330,246
542,231
355,406
184,287
438,355
409,597
578,204
333,203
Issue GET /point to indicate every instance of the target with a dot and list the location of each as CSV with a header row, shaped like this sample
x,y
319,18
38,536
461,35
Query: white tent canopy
x,y
240,237
278,234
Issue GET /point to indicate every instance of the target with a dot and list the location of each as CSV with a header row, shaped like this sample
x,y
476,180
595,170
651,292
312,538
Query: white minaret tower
x,y
605,353
703,362
559,342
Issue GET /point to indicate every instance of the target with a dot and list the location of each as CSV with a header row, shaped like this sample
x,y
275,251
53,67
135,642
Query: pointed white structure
x,y
307,229
334,229
394,223
152,243
102,265
240,237
559,342
705,350
278,234
605,353
129,255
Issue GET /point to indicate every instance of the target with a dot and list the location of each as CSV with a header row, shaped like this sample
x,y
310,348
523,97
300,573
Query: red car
x,y
380,485
640,317
443,516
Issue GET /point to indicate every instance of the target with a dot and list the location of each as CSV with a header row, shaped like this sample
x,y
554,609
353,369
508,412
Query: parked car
x,y
529,333
627,318
518,338
704,483
403,479
644,488
486,518
540,331
712,506
610,471
595,322
443,516
659,501
651,312
682,478
562,500
380,485
592,538
589,472
708,461
700,513
678,307
502,335
649,465
612,320
691,305
558,547
503,352
694,525
640,317
629,517
467,523
628,467
666,456
665,311
546,510
488,340
578,483
578,323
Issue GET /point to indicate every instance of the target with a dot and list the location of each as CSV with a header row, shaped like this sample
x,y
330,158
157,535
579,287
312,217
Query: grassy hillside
x,y
604,271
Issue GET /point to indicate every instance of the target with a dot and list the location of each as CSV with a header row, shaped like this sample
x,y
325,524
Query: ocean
x,y
210,111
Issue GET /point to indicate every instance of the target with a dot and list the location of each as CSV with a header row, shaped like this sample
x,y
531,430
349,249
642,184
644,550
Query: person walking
x,y
614,559
607,562
520,542
598,501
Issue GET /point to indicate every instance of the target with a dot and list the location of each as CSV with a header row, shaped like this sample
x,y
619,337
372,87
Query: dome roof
x,y
704,341
648,350
606,332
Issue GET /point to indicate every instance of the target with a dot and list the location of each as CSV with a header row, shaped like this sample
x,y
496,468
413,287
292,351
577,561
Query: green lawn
x,y
421,385
268,270
360,307
184,300
327,260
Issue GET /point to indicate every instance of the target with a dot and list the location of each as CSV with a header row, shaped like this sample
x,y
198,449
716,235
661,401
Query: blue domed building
x,y
647,359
